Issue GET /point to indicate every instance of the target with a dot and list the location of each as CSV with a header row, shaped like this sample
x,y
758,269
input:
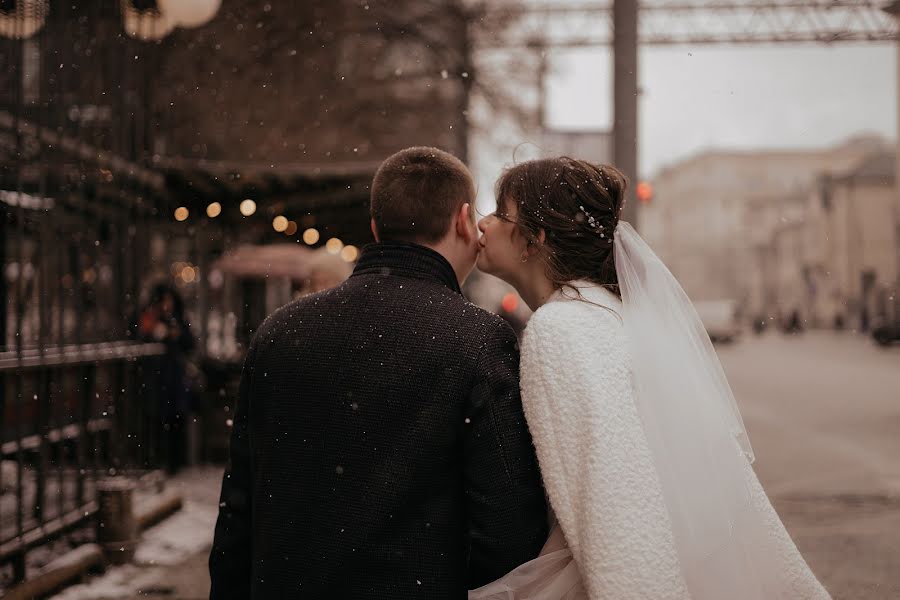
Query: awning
x,y
274,260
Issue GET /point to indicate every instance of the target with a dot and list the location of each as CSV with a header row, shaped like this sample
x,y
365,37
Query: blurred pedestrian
x,y
162,321
794,324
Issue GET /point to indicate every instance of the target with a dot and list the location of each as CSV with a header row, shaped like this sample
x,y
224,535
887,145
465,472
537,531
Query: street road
x,y
823,412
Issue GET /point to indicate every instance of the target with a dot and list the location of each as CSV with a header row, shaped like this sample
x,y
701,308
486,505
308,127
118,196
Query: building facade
x,y
714,218
852,242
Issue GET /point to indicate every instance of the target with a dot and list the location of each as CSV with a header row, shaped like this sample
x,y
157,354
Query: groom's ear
x,y
465,224
374,230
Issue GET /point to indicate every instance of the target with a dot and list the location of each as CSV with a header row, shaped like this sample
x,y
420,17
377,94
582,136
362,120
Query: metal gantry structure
x,y
626,24
694,22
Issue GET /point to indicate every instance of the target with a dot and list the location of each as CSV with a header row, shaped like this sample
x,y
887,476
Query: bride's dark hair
x,y
577,205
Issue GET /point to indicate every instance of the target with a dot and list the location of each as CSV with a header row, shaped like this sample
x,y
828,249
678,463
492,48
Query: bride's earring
x,y
525,254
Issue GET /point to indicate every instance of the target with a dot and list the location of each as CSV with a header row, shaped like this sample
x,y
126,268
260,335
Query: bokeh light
x,y
510,302
280,223
248,207
311,236
350,253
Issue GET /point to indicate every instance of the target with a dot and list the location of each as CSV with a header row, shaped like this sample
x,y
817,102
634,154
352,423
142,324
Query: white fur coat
x,y
597,466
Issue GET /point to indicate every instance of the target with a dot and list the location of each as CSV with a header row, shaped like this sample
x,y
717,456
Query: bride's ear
x,y
534,246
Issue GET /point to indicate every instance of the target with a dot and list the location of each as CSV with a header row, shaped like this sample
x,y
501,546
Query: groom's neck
x,y
461,267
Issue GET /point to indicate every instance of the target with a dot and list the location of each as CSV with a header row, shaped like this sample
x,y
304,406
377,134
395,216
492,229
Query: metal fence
x,y
77,211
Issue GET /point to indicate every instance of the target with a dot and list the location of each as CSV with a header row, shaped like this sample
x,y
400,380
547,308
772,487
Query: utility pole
x,y
894,9
625,98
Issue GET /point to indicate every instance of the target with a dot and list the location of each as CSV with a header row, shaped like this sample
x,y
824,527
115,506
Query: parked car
x,y
720,319
887,334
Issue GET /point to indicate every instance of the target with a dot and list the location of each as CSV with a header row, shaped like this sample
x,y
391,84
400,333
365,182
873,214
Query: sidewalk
x,y
171,560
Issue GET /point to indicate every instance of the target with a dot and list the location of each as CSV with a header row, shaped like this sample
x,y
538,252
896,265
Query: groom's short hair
x,y
416,192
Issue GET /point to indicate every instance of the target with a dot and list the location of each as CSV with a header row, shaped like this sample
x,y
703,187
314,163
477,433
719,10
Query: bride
x,y
643,451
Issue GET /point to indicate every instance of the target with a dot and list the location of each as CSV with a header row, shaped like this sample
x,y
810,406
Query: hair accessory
x,y
593,223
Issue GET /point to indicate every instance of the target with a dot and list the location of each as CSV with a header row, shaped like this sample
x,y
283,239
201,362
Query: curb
x,y
55,574
76,563
157,510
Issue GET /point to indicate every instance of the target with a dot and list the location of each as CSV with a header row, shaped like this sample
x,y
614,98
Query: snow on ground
x,y
183,535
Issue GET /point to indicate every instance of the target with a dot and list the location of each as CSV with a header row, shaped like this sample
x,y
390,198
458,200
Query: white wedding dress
x,y
603,483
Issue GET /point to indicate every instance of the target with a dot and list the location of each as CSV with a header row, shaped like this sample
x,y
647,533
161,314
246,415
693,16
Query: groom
x,y
379,448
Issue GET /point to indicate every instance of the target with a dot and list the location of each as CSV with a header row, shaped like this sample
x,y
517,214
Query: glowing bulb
x,y
213,210
310,236
349,253
189,14
280,223
181,213
291,228
248,207
334,246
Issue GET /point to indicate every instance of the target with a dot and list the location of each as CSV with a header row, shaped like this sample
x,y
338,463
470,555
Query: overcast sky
x,y
734,97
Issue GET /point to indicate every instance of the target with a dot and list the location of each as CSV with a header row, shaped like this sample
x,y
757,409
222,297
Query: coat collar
x,y
406,260
589,291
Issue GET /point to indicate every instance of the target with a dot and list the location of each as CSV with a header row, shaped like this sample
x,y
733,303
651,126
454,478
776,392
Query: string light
x,y
350,253
213,210
334,246
280,223
181,213
311,236
291,228
248,207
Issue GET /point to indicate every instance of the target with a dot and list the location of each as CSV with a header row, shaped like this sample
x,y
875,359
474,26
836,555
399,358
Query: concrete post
x,y
117,531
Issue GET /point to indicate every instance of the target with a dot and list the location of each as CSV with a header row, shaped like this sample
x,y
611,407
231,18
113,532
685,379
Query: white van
x,y
719,318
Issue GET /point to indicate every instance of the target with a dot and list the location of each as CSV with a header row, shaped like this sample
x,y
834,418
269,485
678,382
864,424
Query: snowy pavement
x,y
170,561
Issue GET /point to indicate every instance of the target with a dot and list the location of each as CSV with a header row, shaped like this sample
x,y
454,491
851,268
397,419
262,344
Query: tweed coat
x,y
379,447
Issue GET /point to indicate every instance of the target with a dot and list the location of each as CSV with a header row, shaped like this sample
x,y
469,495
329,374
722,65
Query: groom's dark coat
x,y
379,448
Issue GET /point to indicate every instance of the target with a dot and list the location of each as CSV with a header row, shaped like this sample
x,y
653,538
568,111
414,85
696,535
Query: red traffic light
x,y
644,192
